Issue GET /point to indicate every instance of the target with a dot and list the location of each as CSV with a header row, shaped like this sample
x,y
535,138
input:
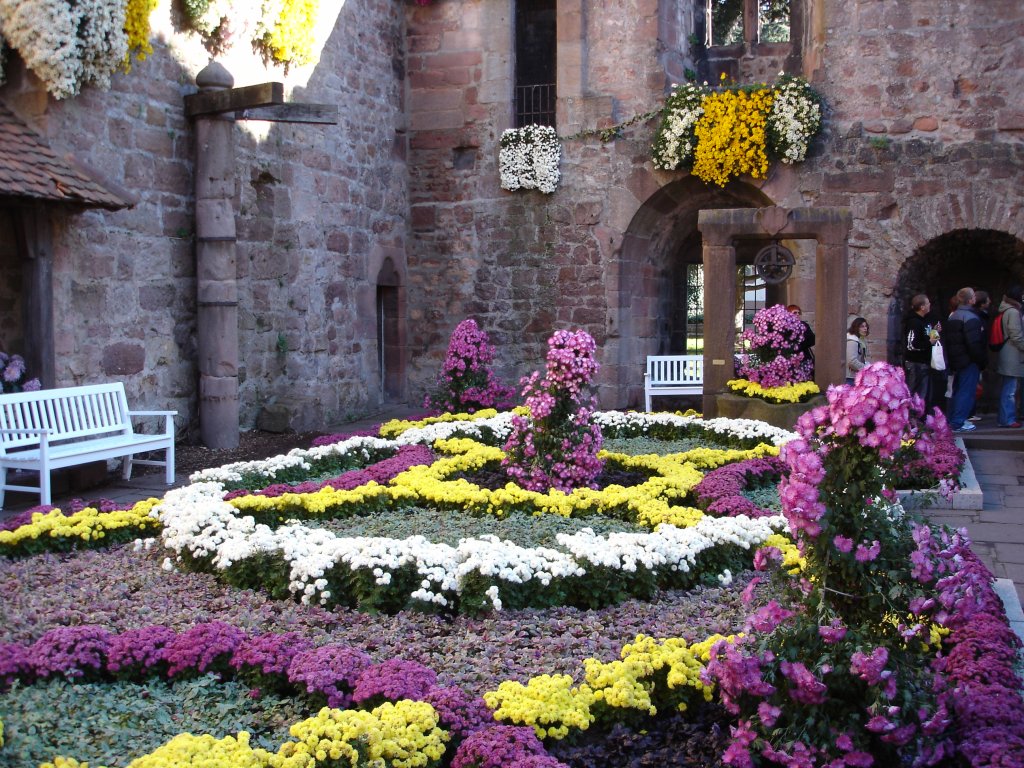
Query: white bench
x,y
673,375
55,428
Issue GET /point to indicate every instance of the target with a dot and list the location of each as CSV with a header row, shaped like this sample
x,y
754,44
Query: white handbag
x,y
938,357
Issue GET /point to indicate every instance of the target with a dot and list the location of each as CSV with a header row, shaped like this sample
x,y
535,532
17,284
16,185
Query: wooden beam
x,y
292,113
234,99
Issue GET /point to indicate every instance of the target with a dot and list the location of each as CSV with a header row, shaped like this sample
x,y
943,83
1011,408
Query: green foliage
x,y
112,723
644,444
448,526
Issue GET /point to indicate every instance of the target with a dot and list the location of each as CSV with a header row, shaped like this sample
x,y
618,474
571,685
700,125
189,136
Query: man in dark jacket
x,y
966,355
918,339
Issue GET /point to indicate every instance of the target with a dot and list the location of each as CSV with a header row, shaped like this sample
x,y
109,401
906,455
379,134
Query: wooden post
x,y
217,290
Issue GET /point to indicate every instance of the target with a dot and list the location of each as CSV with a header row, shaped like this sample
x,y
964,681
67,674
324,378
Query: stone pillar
x,y
217,290
830,312
719,314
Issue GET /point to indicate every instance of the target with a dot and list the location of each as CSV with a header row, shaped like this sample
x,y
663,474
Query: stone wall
x,y
319,208
923,138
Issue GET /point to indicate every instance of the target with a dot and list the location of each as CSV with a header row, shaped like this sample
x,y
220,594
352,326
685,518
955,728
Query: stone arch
x,y
988,259
662,233
389,311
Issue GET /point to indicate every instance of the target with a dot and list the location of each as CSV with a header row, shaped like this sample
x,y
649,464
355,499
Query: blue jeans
x,y
1008,401
965,382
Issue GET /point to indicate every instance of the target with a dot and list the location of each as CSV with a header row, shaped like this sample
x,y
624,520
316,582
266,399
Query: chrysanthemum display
x,y
722,133
466,383
528,158
67,45
556,445
771,353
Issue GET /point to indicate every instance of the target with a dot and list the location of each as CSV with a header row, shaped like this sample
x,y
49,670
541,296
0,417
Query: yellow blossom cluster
x,y
395,427
136,26
401,735
792,560
731,135
87,525
203,752
550,704
319,502
289,39
791,393
642,660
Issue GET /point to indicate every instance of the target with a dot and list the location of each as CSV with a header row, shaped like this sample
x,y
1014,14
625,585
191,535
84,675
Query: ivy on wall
x,y
716,133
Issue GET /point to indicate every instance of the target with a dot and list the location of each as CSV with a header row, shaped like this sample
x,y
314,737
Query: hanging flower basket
x,y
722,133
528,158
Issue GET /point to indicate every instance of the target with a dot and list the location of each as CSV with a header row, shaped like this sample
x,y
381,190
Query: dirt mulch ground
x,y
254,445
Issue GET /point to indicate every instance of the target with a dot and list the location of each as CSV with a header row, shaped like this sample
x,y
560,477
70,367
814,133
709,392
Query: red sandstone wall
x,y
924,137
319,208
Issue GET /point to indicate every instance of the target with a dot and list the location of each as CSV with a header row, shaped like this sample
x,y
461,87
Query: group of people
x,y
964,340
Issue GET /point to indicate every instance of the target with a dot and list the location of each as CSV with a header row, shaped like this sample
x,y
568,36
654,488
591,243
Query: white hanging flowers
x,y
794,119
529,158
67,45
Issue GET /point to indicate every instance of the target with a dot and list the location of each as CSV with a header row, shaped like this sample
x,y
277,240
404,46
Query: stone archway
x,y
721,229
981,258
660,234
390,308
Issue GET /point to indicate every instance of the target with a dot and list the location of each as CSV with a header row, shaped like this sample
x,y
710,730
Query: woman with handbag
x,y
922,350
856,349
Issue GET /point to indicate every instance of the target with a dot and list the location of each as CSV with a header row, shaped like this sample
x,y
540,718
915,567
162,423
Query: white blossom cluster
x,y
528,158
196,520
499,425
794,120
67,45
740,428
676,140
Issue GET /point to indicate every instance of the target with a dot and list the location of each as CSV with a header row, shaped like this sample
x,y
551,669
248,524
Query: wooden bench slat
x,y
82,424
673,375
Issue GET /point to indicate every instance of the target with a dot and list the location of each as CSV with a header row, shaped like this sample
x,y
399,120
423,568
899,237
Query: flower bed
x,y
239,538
602,677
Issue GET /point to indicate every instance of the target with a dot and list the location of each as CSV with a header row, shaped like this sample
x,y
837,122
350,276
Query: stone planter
x,y
782,415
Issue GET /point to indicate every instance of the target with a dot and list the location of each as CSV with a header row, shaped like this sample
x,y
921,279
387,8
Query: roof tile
x,y
30,168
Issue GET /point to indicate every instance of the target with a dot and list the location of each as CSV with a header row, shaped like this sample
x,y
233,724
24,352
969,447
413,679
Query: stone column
x,y
719,313
830,313
217,290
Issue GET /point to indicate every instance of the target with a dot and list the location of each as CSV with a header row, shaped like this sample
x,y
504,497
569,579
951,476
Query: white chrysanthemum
x,y
529,157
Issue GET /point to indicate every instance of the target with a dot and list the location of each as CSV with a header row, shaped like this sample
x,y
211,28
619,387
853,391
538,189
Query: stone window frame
x,y
722,58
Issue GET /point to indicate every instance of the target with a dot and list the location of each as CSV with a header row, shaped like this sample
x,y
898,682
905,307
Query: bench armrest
x,y
152,413
26,431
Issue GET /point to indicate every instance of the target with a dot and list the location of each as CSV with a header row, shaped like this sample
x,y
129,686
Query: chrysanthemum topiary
x,y
466,383
556,445
771,353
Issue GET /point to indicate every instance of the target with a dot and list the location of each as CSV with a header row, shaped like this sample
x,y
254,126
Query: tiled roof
x,y
30,168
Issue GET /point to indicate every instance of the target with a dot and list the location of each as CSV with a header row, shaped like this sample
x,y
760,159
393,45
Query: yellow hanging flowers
x,y
735,130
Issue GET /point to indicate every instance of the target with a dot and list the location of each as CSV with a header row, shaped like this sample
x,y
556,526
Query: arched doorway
x,y
984,259
390,361
654,292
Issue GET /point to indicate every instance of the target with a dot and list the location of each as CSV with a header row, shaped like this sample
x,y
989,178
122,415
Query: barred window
x,y
536,47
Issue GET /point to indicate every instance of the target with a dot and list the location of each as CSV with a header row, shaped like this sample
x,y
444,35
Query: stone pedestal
x,y
783,415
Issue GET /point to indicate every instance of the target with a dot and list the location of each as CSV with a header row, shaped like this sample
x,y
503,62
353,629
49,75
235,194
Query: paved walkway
x,y
997,530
